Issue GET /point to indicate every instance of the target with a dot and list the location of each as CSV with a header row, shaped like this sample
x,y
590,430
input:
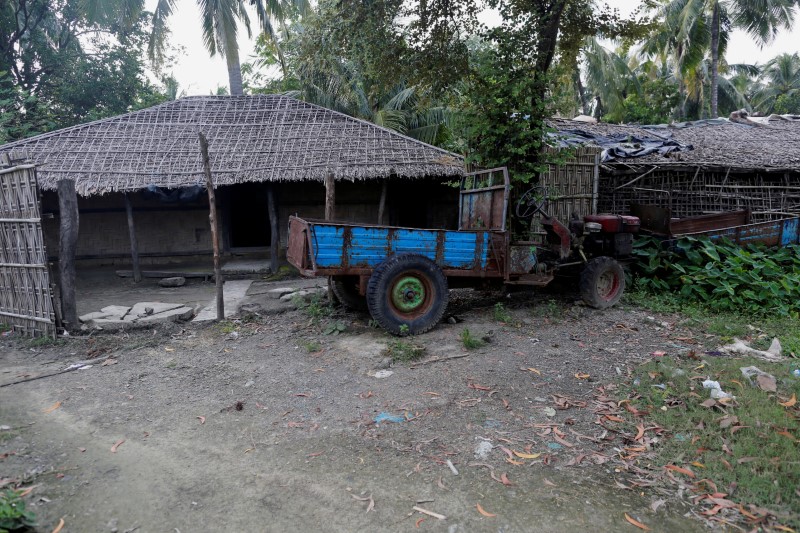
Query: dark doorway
x,y
249,218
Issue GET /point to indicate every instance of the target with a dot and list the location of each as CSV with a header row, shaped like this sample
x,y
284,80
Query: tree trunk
x,y
274,228
212,218
137,271
234,72
67,243
581,91
715,60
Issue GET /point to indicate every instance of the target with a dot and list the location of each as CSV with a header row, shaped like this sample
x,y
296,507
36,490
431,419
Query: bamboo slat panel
x,y
572,185
26,296
692,192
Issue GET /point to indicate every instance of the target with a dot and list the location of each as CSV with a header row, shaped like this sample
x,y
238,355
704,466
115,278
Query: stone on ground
x,y
177,281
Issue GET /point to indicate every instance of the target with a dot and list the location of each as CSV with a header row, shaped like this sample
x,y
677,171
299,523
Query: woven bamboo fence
x,y
26,296
572,185
699,191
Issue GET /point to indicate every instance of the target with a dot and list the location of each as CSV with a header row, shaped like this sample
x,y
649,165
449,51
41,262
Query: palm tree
x,y
220,24
693,28
780,76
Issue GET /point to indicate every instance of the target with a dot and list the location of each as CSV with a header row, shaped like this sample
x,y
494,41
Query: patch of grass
x,y
551,309
469,341
501,314
317,307
44,341
284,272
335,328
404,352
312,346
725,325
4,327
226,327
752,443
172,363
7,435
13,514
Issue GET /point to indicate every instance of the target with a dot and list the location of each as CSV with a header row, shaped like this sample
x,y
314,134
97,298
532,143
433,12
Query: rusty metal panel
x,y
775,233
709,222
483,200
297,249
522,259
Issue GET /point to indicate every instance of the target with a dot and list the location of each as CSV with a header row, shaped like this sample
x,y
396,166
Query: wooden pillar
x,y
382,202
330,197
274,228
67,244
137,272
212,217
330,214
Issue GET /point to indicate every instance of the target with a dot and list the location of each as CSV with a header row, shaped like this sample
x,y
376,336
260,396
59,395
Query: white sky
x,y
197,73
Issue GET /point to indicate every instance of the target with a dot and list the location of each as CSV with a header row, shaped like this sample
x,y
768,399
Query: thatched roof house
x,y
770,144
251,139
256,143
696,168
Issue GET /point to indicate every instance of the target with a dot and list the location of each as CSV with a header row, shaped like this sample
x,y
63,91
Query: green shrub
x,y
723,276
13,515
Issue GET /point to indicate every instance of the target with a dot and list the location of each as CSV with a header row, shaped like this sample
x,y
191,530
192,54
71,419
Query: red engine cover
x,y
615,223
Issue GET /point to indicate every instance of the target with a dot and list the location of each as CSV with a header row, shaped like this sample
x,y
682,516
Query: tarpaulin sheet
x,y
618,146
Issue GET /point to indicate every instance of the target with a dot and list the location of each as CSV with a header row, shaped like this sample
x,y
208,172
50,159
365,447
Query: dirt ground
x,y
304,452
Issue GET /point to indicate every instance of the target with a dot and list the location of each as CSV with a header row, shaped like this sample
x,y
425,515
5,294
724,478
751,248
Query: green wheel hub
x,y
408,294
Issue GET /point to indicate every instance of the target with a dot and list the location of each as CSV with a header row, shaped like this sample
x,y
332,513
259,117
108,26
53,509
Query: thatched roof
x,y
771,145
251,138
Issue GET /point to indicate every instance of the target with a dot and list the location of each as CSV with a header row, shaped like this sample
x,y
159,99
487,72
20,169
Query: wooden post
x,y
382,202
137,272
274,228
212,217
67,243
330,197
330,214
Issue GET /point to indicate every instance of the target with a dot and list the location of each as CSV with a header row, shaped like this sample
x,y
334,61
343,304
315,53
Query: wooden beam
x,y
382,202
137,272
330,214
274,228
67,244
330,197
212,217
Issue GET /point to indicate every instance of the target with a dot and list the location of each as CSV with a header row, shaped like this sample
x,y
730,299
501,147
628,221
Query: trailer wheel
x,y
602,282
345,288
407,293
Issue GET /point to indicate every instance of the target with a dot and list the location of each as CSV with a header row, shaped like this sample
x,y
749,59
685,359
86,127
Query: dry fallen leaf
x,y
202,419
418,522
484,512
513,462
790,402
60,526
534,370
766,383
680,470
636,523
168,349
27,491
117,445
581,375
52,407
526,455
549,483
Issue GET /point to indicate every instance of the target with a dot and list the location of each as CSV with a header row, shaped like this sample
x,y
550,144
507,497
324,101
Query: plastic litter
x,y
483,449
659,386
716,390
796,372
554,446
388,417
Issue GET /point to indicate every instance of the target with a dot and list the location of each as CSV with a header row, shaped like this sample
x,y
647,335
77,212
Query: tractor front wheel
x,y
602,282
407,294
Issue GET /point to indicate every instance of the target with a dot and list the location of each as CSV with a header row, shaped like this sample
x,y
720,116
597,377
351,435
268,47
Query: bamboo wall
x,y
691,192
26,296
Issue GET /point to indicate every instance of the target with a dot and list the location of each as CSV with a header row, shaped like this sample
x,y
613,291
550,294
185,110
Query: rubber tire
x,y
345,288
591,284
382,281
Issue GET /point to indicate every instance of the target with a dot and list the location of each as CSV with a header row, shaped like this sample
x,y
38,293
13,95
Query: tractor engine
x,y
605,234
